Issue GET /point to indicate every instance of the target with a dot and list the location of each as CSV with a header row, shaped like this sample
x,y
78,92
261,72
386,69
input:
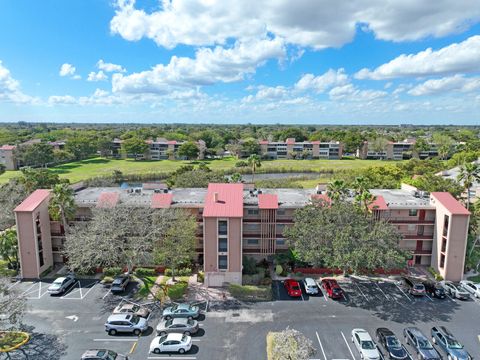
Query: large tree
x,y
62,204
337,190
12,305
188,150
9,247
122,236
34,179
444,144
11,195
135,146
81,146
378,144
177,245
468,175
343,236
254,162
39,154
290,344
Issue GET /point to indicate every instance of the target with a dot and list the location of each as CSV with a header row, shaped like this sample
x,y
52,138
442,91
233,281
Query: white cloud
x,y
61,100
10,89
323,82
109,67
457,57
271,93
332,23
446,84
351,93
208,67
99,76
67,70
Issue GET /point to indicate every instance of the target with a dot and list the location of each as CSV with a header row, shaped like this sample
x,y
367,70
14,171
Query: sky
x,y
251,61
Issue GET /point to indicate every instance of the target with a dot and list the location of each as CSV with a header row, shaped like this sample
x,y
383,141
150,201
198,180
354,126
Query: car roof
x,y
180,321
183,306
175,336
415,331
363,334
126,306
94,352
60,278
117,317
385,331
310,281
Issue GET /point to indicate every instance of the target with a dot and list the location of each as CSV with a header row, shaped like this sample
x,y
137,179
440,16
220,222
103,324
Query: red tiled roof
x,y
267,201
263,142
161,201
322,197
153,186
8,147
378,204
450,203
171,142
290,141
229,200
315,142
108,200
33,200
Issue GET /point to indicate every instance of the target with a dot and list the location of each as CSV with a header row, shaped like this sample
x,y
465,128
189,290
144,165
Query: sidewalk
x,y
156,287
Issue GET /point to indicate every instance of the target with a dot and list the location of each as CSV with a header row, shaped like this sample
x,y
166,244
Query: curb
x,y
23,342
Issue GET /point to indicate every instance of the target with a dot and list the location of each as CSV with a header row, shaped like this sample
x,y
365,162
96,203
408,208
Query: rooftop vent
x,y
215,197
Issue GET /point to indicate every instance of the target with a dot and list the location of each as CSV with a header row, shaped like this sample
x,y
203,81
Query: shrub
x,y
201,276
178,272
249,265
435,274
241,163
107,280
176,291
112,271
278,269
144,272
4,272
250,292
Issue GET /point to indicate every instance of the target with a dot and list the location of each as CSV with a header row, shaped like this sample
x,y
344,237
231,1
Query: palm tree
x,y
62,204
365,199
360,185
469,173
254,162
337,190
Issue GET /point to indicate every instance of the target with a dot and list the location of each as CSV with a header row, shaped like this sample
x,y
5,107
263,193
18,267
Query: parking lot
x,y
63,327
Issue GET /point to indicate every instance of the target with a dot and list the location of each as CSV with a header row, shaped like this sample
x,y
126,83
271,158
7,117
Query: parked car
x,y
392,346
125,323
366,347
447,342
423,347
471,287
129,308
455,291
177,325
102,354
120,283
61,284
171,343
292,287
415,287
332,288
311,286
434,289
181,311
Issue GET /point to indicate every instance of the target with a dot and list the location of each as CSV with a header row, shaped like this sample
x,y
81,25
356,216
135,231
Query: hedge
x,y
322,271
179,272
112,271
144,272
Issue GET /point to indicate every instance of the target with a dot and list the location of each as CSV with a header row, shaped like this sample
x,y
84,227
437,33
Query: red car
x,y
292,287
332,288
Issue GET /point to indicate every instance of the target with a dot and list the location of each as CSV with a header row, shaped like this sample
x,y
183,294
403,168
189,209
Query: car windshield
x,y
424,344
190,322
174,307
337,290
184,338
58,281
135,319
169,322
454,344
393,342
368,345
295,287
135,308
112,355
117,281
418,287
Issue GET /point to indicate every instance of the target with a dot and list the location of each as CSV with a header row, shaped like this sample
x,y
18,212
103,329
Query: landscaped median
x,y
288,344
251,292
12,340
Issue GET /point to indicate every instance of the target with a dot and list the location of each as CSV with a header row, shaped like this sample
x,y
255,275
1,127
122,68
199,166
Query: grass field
x,y
82,170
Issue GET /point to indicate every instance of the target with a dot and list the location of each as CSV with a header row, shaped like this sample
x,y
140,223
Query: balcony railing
x,y
419,237
409,220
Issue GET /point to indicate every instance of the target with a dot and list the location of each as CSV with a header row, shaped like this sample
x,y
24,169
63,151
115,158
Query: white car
x,y
366,347
311,286
61,284
471,287
455,291
172,342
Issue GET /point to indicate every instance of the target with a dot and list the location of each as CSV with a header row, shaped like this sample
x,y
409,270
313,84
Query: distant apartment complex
x,y
399,150
235,220
159,149
11,161
291,149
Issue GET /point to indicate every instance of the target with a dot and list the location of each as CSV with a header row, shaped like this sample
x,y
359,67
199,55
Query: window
x,y
281,212
411,228
252,227
280,241
222,262
222,245
253,241
412,212
252,211
222,227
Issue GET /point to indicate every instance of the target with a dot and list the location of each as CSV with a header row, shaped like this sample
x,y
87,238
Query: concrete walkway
x,y
156,287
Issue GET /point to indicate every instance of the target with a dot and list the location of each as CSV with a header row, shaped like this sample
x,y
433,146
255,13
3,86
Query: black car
x,y
391,344
434,289
120,283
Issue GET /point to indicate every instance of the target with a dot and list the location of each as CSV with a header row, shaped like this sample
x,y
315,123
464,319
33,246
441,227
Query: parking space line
x,y
132,349
451,298
28,290
403,292
83,296
14,284
104,296
361,292
429,297
346,342
301,294
379,288
321,346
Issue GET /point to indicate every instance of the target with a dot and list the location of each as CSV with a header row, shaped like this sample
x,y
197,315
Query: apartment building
x,y
235,220
7,157
399,150
291,149
158,149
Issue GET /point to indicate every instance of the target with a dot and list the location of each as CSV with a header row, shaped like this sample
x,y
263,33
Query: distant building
x,y
159,149
7,157
399,150
235,220
291,149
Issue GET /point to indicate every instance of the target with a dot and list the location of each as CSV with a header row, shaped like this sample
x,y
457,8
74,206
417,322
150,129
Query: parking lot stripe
x,y
83,296
321,346
14,284
29,288
361,292
346,342
429,297
132,349
379,288
403,292
104,296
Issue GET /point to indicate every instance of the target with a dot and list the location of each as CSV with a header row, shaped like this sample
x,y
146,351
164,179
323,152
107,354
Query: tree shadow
x,y
39,347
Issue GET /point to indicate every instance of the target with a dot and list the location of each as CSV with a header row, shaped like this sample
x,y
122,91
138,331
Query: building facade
x,y
291,149
235,220
399,150
158,149
7,157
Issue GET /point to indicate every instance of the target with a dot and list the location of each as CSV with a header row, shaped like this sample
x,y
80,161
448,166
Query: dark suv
x,y
435,290
393,347
423,347
415,287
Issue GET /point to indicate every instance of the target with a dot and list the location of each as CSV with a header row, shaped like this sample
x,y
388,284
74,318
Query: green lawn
x,y
82,170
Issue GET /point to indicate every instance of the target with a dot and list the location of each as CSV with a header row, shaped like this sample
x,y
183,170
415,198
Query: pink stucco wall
x,y
210,244
235,245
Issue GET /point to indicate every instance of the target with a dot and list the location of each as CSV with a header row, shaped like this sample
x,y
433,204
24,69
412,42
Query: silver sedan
x,y
177,325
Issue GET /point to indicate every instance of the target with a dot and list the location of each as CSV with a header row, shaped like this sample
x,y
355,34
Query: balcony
x,y
409,220
417,237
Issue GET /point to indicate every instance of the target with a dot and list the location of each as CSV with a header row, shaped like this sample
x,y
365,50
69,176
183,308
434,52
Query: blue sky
x,y
225,61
